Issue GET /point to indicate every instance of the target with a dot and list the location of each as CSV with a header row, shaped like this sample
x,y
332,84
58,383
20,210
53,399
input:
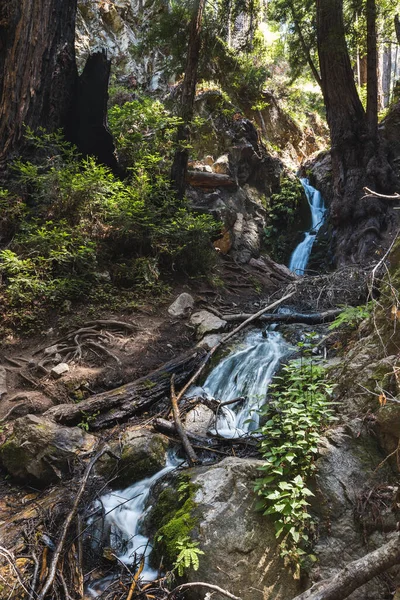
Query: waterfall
x,y
246,372
301,254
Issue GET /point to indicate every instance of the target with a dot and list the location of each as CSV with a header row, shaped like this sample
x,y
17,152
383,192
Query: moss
x,y
173,521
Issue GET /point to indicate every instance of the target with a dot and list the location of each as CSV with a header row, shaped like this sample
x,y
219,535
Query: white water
x,y
123,516
246,372
301,254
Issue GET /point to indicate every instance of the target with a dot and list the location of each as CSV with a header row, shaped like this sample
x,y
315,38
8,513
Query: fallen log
x,y
210,180
108,408
326,316
355,574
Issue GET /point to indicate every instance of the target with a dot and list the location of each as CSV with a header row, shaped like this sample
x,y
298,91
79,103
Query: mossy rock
x,y
172,518
388,419
41,452
142,454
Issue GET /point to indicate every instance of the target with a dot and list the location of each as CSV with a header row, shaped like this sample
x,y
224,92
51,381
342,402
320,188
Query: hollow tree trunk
x,y
356,157
179,167
37,68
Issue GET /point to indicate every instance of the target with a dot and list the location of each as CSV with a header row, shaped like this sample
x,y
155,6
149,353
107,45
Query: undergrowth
x,y
298,411
71,231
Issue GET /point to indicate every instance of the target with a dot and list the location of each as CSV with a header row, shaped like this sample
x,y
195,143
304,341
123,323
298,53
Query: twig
x,y
35,576
179,427
209,586
135,580
57,552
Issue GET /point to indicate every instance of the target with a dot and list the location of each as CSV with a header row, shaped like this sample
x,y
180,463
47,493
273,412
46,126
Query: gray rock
x,y
142,453
205,322
221,165
3,381
241,553
209,341
41,451
198,420
182,306
59,370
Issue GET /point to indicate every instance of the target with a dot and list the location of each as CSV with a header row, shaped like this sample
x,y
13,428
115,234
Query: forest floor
x,y
153,337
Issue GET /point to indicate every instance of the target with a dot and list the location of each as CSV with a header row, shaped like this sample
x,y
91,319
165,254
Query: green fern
x,y
188,555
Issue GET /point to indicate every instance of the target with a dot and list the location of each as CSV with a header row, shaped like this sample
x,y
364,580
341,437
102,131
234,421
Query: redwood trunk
x,y
356,158
37,68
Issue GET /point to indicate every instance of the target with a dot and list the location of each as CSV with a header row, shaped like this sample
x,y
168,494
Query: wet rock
x,y
241,553
59,370
198,420
182,306
142,454
41,452
205,322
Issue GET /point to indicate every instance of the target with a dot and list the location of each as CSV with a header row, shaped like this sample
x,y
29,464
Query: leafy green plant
x,y
298,410
188,556
351,316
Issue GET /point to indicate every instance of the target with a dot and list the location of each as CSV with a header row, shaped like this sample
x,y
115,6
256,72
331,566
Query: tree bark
x,y
326,316
37,68
179,166
118,405
357,158
355,574
372,71
387,74
89,129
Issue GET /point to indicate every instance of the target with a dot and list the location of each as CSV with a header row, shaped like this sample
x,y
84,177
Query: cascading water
x,y
246,372
123,513
301,254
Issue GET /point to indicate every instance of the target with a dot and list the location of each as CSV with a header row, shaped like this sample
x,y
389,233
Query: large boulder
x,y
142,453
240,549
41,452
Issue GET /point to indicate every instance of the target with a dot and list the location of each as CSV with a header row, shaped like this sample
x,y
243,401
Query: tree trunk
x,y
363,70
372,71
89,130
356,158
37,68
387,74
355,574
179,167
305,48
118,405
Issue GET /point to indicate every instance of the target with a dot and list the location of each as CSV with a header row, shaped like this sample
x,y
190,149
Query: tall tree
x,y
37,67
357,157
179,166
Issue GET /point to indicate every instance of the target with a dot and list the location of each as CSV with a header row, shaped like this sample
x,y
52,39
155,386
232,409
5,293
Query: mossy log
x,y
118,405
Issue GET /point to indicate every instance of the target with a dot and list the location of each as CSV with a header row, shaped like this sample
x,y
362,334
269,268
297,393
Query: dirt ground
x,y
105,355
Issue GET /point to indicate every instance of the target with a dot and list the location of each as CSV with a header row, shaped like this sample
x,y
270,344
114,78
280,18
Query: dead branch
x,y
355,574
371,194
209,586
326,316
57,552
121,403
226,338
179,427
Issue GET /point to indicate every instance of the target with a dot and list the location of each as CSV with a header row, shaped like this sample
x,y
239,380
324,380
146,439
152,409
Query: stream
x,y
246,372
